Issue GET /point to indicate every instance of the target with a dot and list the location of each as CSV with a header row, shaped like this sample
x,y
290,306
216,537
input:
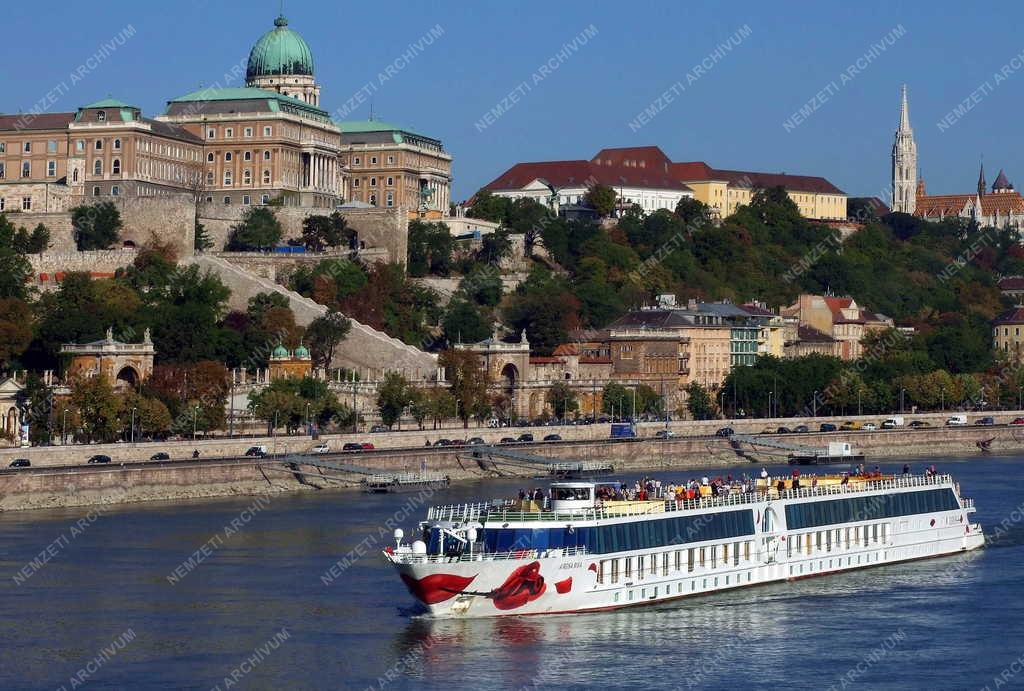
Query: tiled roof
x,y
651,319
792,183
694,171
837,305
583,174
1014,315
1012,283
42,121
811,335
173,131
757,310
1003,203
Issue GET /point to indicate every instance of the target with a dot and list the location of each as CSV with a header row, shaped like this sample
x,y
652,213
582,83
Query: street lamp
x,y
902,391
770,403
275,433
64,428
195,421
942,398
308,430
814,404
133,425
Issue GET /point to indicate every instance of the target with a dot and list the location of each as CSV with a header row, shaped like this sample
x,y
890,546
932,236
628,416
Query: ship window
x,y
689,559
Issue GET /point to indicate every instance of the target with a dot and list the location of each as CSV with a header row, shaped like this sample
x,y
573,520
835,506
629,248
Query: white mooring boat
x,y
578,553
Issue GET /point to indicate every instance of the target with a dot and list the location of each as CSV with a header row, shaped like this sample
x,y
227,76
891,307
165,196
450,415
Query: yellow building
x,y
285,365
1006,333
771,338
726,190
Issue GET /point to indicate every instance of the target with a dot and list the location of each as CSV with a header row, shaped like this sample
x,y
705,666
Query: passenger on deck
x,y
781,486
906,469
845,480
796,480
764,473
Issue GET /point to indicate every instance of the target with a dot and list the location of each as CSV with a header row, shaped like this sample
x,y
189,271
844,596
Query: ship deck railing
x,y
497,511
481,555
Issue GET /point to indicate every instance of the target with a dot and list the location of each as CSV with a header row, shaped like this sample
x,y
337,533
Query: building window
x,y
227,178
101,116
26,169
247,176
247,156
266,155
51,169
209,157
96,191
391,181
51,146
266,177
373,160
227,200
115,190
391,159
267,131
3,147
209,178
355,182
115,166
3,170
3,203
373,200
74,175
26,203
246,200
211,133
389,200
248,131
355,161
97,167
264,199
27,148
373,182
229,132
227,155
117,145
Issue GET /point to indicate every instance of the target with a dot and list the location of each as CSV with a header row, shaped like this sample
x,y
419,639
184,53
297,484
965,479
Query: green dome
x,y
279,51
301,353
280,352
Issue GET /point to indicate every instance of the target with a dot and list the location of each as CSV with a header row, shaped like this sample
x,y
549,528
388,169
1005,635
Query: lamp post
x,y
275,433
942,399
902,391
814,404
769,404
195,421
231,407
859,411
634,404
64,428
133,425
1020,393
308,430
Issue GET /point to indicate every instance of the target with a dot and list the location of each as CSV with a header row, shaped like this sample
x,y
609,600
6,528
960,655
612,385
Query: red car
x,y
1018,421
367,446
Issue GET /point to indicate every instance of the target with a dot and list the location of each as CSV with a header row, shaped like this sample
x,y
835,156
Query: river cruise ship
x,y
574,552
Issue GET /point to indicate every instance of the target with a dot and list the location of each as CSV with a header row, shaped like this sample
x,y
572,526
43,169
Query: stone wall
x,y
62,235
276,267
365,348
100,261
377,228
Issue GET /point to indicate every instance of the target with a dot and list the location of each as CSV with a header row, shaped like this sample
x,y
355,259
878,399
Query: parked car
x,y
258,451
352,446
957,420
553,437
725,432
1018,421
802,429
869,427
508,440
367,446
525,437
321,448
664,434
475,441
443,442
783,430
162,456
19,463
768,430
378,428
850,426
987,420
458,442
827,427
918,424
99,458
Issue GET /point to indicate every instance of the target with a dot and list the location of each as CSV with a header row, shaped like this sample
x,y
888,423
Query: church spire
x,y
904,161
904,112
981,179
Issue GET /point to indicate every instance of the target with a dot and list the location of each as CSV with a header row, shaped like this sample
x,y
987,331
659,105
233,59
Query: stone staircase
x,y
365,348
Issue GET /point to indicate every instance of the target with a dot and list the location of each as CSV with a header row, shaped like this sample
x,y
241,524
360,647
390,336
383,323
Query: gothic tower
x,y
904,162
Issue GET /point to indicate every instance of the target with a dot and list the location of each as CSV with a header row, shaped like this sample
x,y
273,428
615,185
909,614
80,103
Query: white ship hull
x,y
563,581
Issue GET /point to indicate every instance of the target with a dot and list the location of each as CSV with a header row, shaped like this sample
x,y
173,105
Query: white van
x,y
956,420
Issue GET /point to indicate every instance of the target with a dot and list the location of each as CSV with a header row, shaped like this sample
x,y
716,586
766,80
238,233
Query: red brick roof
x,y
1003,203
811,335
1010,316
583,174
30,121
792,183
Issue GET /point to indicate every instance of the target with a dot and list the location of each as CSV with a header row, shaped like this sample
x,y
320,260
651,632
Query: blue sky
x,y
731,116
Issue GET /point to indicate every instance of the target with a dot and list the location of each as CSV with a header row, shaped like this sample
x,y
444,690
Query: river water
x,y
111,600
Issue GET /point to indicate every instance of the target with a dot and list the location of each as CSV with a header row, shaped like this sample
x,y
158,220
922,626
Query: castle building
x,y
647,177
268,140
1006,334
392,166
1002,206
125,365
290,365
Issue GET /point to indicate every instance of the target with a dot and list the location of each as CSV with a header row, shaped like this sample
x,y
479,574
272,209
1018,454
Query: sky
x,y
718,82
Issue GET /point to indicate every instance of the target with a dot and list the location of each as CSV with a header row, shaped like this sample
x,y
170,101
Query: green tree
x,y
698,402
419,406
494,247
393,397
36,401
483,286
98,409
201,241
468,382
601,198
324,335
320,232
430,248
489,207
692,212
152,417
258,229
442,405
15,329
615,399
562,399
97,226
465,322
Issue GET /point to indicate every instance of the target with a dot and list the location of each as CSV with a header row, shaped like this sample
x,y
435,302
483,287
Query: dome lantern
x,y
281,61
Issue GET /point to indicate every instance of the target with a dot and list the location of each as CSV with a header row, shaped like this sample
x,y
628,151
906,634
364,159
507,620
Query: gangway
x,y
758,440
801,454
374,480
